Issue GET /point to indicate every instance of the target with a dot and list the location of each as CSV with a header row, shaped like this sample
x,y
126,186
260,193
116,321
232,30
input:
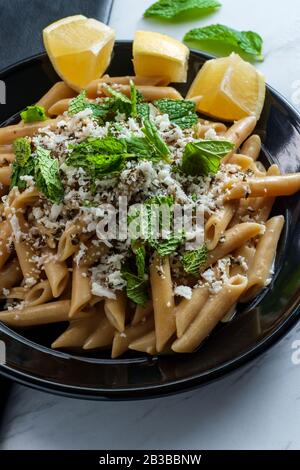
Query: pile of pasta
x,y
62,292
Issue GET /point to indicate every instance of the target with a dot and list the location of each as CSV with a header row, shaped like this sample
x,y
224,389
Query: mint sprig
x,y
181,112
178,9
193,260
33,113
203,157
247,43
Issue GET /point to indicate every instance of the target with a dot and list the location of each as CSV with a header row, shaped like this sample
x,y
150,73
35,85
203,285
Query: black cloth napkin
x,y
22,22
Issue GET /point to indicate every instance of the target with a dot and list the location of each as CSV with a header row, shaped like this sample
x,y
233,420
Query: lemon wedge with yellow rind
x,y
229,89
79,48
156,54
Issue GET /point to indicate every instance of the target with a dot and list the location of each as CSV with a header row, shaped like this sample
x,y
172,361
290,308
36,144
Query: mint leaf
x,y
136,287
168,9
143,110
140,148
33,114
160,148
101,111
78,104
18,171
134,99
203,157
105,165
193,260
168,246
246,42
121,103
140,260
22,150
46,174
181,112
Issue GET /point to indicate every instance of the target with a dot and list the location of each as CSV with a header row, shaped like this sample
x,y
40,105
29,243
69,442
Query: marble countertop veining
x,y
257,407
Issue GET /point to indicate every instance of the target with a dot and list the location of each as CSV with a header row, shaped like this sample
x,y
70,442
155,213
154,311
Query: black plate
x,y
257,326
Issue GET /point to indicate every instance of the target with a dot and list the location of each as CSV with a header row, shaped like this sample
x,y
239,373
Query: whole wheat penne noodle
x,y
57,92
102,336
217,224
241,160
252,147
122,340
238,132
5,175
6,159
146,343
77,332
7,148
69,240
10,133
43,314
59,107
5,236
264,257
188,309
163,300
25,251
41,293
246,255
263,205
81,290
150,93
17,293
233,239
268,186
93,88
57,273
141,312
214,310
115,310
204,126
10,275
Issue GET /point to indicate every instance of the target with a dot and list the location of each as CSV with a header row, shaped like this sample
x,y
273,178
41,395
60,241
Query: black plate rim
x,y
147,391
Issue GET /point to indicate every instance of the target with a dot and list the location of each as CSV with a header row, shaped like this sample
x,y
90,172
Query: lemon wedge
x,y
156,54
229,89
79,49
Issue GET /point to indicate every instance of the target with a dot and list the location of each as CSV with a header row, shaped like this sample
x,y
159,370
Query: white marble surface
x,y
257,407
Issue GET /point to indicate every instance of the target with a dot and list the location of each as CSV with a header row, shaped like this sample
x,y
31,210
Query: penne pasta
x,y
150,93
77,332
214,310
261,267
5,175
163,301
57,273
115,310
142,312
122,340
41,293
43,314
10,275
252,147
57,92
10,133
268,186
81,290
239,132
188,309
102,335
217,224
233,239
145,344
